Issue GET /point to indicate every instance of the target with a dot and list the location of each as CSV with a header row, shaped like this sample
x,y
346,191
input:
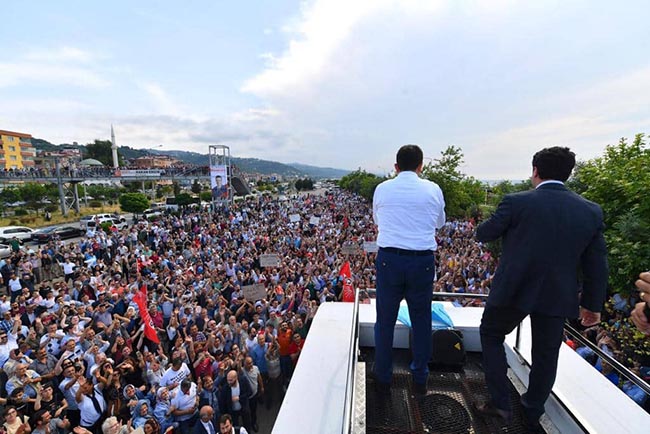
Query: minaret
x,y
114,148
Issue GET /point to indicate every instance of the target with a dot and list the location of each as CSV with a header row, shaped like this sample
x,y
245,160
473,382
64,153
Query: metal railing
x,y
349,401
351,370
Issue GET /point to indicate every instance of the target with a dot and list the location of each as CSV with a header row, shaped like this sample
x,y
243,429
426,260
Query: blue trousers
x,y
403,277
547,334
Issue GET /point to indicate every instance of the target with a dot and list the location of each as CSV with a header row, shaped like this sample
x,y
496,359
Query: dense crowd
x,y
77,171
149,327
150,324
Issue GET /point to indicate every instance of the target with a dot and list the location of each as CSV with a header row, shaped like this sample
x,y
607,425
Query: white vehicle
x,y
23,233
83,221
118,223
5,251
150,213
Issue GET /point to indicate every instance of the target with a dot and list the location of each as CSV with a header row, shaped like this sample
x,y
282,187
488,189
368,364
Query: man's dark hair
x,y
554,163
225,418
38,417
409,157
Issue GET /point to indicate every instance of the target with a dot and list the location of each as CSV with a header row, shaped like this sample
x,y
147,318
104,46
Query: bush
x,y
20,211
95,204
106,227
13,222
51,208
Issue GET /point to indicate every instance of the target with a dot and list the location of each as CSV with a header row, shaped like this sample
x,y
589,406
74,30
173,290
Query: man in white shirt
x,y
176,373
92,405
186,402
407,211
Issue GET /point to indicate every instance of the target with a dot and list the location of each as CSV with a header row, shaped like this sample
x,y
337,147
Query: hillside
x,y
247,165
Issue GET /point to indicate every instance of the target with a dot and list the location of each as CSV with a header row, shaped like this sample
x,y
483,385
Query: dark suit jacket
x,y
551,238
200,429
225,395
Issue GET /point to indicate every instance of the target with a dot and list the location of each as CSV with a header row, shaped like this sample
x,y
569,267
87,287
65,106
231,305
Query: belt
x,y
404,252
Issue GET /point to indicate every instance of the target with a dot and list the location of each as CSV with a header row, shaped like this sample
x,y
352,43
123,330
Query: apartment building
x,y
16,150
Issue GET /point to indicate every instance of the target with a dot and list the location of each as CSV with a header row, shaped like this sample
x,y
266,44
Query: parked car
x,y
23,233
56,232
5,251
83,221
150,214
119,223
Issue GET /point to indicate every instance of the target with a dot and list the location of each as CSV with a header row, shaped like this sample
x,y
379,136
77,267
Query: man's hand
x,y
643,284
589,318
639,319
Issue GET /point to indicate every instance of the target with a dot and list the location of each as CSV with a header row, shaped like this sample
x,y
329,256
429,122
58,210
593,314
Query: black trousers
x,y
547,335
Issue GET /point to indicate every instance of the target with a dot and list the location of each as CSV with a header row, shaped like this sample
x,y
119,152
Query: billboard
x,y
219,182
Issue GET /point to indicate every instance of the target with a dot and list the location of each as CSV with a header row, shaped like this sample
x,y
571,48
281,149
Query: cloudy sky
x,y
339,83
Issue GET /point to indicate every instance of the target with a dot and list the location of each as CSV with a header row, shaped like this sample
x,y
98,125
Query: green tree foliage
x,y
619,182
103,192
101,151
462,193
305,184
184,199
33,194
205,196
196,187
361,183
134,202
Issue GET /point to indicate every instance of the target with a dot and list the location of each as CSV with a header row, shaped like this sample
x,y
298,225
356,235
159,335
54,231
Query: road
x,y
32,244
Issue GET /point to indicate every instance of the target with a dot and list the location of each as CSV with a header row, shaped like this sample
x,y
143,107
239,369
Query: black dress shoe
x,y
534,428
420,390
488,409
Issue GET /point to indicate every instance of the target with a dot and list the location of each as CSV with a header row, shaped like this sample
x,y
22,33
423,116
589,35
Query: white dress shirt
x,y
184,401
407,211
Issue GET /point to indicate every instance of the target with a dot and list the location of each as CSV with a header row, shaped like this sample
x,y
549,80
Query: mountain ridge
x,y
245,164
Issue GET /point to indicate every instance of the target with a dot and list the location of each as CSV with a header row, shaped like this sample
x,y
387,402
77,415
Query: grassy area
x,y
36,221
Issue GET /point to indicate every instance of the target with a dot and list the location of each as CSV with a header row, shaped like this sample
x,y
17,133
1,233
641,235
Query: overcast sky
x,y
339,83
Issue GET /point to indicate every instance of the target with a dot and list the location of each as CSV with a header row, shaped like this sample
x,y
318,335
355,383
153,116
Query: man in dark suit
x,y
234,397
552,238
206,424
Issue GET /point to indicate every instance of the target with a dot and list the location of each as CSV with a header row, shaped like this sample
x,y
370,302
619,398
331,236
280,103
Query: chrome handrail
x,y
352,361
609,359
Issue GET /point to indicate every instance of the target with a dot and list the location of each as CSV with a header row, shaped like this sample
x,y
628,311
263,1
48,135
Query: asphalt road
x,y
128,217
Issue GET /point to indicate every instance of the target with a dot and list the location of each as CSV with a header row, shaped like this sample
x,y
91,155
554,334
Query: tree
x,y
196,187
618,181
177,188
361,183
101,151
184,199
134,202
462,193
33,194
205,196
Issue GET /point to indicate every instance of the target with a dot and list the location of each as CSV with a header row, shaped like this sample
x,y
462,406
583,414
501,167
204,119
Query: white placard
x,y
270,260
294,218
370,246
350,249
254,292
314,220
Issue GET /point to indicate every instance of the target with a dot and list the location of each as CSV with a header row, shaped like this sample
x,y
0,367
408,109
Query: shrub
x,y
51,208
20,211
106,226
95,204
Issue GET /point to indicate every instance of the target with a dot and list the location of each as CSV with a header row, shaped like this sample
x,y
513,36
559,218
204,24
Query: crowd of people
x,y
149,327
77,171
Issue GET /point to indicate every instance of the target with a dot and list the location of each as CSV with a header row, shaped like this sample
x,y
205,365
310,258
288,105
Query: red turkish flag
x,y
140,299
345,270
